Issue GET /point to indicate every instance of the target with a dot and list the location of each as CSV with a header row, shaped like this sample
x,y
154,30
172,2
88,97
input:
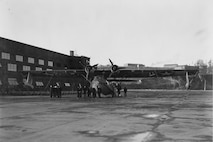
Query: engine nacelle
x,y
114,68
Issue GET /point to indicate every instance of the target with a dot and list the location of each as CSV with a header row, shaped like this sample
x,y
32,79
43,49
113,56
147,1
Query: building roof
x,y
39,48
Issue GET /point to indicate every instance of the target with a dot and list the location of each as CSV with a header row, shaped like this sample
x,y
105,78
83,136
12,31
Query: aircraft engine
x,y
114,68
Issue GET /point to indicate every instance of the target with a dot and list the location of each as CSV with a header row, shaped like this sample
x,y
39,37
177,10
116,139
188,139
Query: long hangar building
x,y
16,57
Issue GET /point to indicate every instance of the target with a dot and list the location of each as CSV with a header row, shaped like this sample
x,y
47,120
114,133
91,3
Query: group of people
x,y
55,91
90,92
119,90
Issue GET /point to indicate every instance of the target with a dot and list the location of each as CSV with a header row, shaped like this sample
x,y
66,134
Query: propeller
x,y
114,68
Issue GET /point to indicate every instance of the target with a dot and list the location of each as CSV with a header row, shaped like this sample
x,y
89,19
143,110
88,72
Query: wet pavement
x,y
164,116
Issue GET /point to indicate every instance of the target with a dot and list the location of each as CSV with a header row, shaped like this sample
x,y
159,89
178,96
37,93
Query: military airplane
x,y
106,78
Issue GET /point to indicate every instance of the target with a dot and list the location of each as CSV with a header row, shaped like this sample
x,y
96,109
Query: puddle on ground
x,y
91,133
10,127
151,115
140,137
134,137
158,116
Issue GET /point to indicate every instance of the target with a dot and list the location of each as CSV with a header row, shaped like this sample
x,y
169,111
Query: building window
x,y
19,58
50,63
5,55
39,83
12,67
49,69
31,60
38,69
12,81
40,62
67,84
26,68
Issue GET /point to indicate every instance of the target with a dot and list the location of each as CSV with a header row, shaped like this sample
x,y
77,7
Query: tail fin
x,y
29,81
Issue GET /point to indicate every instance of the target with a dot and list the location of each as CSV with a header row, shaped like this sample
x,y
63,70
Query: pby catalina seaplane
x,y
101,77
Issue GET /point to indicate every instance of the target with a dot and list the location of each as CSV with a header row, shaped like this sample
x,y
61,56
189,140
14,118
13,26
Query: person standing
x,y
94,92
125,91
79,91
51,91
89,91
85,90
59,91
99,92
118,89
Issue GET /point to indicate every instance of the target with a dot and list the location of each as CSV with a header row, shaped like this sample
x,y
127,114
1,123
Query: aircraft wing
x,y
123,79
122,73
129,73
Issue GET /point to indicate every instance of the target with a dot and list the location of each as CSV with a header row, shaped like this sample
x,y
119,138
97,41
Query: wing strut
x,y
187,81
49,82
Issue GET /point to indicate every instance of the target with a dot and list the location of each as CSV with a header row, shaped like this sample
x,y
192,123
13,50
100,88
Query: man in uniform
x,y
85,90
99,92
59,91
119,89
89,90
79,91
51,91
94,92
125,91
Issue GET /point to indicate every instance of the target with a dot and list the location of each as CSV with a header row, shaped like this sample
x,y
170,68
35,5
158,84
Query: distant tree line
x,y
205,68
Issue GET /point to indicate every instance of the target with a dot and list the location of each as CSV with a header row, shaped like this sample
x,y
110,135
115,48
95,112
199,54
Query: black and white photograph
x,y
106,70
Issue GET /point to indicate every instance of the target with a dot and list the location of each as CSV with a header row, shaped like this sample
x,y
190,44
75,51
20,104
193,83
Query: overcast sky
x,y
150,32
